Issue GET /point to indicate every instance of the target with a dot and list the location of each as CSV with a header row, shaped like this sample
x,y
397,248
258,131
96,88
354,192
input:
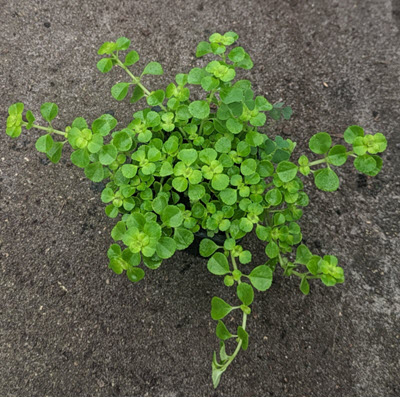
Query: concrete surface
x,y
68,326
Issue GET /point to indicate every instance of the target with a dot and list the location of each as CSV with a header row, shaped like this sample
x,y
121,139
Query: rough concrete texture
x,y
69,326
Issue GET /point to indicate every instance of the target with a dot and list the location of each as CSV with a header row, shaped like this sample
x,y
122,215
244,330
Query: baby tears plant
x,y
184,168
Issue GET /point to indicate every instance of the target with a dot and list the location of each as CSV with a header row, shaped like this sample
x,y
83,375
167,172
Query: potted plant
x,y
187,171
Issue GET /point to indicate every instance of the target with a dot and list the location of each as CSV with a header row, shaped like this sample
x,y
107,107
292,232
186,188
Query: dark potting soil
x,y
69,326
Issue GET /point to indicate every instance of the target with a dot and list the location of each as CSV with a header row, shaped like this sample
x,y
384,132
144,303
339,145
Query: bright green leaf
x,y
172,216
365,163
234,126
188,156
108,153
261,277
135,274
199,109
166,247
156,98
44,143
207,247
218,264
303,254
304,285
180,184
94,172
244,336
220,181
222,332
129,170
153,68
352,133
131,58
104,124
104,65
245,257
119,91
272,250
137,94
122,43
245,293
320,143
54,153
248,167
219,308
196,192
183,238
80,158
237,54
337,155
203,48
286,171
119,230
49,111
326,180
122,141
229,196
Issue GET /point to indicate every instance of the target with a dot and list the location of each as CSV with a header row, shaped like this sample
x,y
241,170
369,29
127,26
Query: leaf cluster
x,y
182,167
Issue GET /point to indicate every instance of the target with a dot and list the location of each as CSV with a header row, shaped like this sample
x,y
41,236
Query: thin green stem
x,y
299,274
233,356
244,321
239,345
201,126
211,95
324,160
280,260
48,129
136,80
233,262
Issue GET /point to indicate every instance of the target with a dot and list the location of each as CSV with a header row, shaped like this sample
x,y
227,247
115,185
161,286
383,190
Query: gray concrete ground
x,y
68,326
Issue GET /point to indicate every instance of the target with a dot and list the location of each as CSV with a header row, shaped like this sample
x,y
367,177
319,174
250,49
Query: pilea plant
x,y
186,168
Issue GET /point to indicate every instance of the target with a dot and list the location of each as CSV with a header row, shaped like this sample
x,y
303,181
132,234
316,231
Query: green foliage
x,y
201,168
199,109
245,293
153,68
261,277
320,143
218,264
49,111
207,247
222,331
119,91
326,180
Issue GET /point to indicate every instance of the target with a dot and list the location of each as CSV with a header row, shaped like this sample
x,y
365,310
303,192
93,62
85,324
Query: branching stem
x,y
48,129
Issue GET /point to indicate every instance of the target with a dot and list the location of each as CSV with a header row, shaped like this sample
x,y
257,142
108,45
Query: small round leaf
x,y
326,180
320,143
199,109
218,264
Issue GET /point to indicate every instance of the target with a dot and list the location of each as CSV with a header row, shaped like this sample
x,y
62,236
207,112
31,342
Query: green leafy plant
x,y
184,167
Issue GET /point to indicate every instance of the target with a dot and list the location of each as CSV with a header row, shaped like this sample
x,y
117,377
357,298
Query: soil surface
x,y
69,326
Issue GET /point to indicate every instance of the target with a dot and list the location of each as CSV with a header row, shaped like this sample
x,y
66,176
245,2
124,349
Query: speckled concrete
x,y
68,326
